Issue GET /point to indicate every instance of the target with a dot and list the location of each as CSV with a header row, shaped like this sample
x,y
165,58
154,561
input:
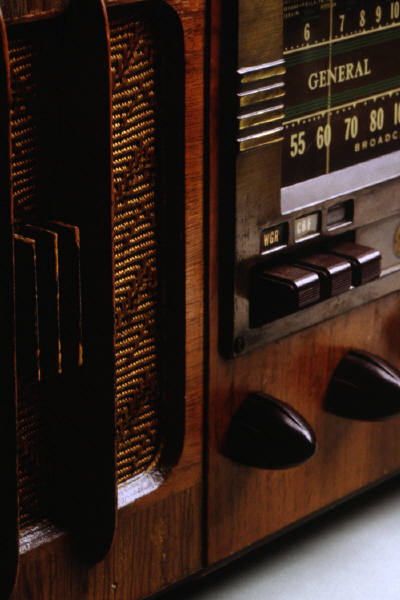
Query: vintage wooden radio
x,y
201,265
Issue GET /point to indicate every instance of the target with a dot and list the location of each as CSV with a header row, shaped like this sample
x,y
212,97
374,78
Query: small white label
x,y
305,226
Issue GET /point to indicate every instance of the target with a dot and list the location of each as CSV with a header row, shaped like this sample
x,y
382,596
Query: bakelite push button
x,y
269,434
335,273
365,262
281,290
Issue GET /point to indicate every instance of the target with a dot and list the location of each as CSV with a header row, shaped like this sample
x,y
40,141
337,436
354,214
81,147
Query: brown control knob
x,y
269,434
364,387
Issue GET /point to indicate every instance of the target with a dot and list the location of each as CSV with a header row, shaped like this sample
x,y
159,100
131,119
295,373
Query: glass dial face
x,y
342,84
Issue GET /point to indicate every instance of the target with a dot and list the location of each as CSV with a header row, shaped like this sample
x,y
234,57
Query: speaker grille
x,y
137,294
24,126
135,251
24,115
31,446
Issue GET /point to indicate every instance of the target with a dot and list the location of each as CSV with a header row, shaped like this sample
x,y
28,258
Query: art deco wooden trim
x,y
86,201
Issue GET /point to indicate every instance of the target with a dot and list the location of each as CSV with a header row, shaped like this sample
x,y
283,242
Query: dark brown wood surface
x,y
30,9
246,504
27,10
158,539
8,461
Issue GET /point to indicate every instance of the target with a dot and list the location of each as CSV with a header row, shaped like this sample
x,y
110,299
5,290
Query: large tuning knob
x,y
364,387
269,434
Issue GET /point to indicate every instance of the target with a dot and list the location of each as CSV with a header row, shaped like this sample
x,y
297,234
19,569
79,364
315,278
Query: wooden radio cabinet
x,y
201,275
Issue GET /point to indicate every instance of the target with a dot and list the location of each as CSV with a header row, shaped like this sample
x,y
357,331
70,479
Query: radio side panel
x,y
158,536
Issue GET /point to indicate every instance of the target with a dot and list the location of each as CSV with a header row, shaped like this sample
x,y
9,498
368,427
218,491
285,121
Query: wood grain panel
x,y
51,572
154,548
250,503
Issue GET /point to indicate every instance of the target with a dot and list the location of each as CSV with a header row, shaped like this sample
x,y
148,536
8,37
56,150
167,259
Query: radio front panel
x,y
324,120
304,262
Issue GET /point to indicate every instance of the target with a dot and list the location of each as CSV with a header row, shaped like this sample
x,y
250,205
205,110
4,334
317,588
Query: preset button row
x,y
283,289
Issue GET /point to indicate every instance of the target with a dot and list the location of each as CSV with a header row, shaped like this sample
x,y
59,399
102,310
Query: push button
x,y
281,290
335,273
365,261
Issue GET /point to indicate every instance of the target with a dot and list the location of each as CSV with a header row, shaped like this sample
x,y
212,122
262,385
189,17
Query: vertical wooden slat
x,y
86,201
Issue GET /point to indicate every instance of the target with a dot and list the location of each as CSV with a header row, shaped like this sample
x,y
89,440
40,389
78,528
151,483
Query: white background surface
x,y
352,552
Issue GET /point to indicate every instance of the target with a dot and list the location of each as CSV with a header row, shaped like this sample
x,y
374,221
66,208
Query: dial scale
x,y
342,103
